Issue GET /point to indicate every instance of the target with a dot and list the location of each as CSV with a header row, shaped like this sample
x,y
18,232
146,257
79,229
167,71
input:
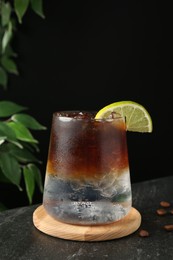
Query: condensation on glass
x,y
87,178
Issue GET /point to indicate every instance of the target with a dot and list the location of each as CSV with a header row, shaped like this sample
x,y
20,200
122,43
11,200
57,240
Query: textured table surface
x,y
19,239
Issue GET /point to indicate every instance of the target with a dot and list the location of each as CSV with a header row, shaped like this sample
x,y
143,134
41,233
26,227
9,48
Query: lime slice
x,y
137,117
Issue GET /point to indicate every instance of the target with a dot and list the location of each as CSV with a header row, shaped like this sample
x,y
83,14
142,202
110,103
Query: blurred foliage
x,y
18,147
11,15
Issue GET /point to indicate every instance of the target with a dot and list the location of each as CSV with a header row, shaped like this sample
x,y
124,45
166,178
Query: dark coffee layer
x,y
87,148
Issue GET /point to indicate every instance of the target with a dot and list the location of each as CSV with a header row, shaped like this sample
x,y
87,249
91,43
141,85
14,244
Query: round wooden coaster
x,y
48,225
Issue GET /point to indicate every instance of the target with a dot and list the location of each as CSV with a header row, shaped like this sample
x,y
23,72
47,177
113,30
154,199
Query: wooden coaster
x,y
48,225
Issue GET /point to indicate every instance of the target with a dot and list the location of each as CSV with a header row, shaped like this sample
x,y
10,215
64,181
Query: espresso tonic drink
x,y
87,175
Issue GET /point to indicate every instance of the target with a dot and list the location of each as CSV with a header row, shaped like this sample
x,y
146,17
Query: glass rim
x,y
74,114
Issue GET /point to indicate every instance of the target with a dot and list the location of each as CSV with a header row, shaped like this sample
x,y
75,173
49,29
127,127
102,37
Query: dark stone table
x,y
20,240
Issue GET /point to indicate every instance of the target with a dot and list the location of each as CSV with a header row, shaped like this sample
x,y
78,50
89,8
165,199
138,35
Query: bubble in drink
x,y
87,177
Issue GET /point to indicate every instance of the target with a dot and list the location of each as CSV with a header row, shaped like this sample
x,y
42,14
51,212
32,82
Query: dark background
x,y
85,55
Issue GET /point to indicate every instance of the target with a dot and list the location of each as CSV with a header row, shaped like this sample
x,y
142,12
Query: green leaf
x,y
2,139
37,6
29,182
8,132
8,108
37,176
22,133
22,155
9,65
10,168
28,121
16,143
9,52
3,78
20,7
5,13
3,178
31,147
7,36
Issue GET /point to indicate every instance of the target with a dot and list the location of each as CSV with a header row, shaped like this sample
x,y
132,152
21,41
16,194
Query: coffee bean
x,y
165,204
168,227
143,233
161,212
171,211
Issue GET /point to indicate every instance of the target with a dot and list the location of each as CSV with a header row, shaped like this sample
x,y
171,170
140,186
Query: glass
x,y
87,178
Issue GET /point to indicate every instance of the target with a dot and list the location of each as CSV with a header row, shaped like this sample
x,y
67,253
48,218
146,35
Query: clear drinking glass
x,y
87,178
